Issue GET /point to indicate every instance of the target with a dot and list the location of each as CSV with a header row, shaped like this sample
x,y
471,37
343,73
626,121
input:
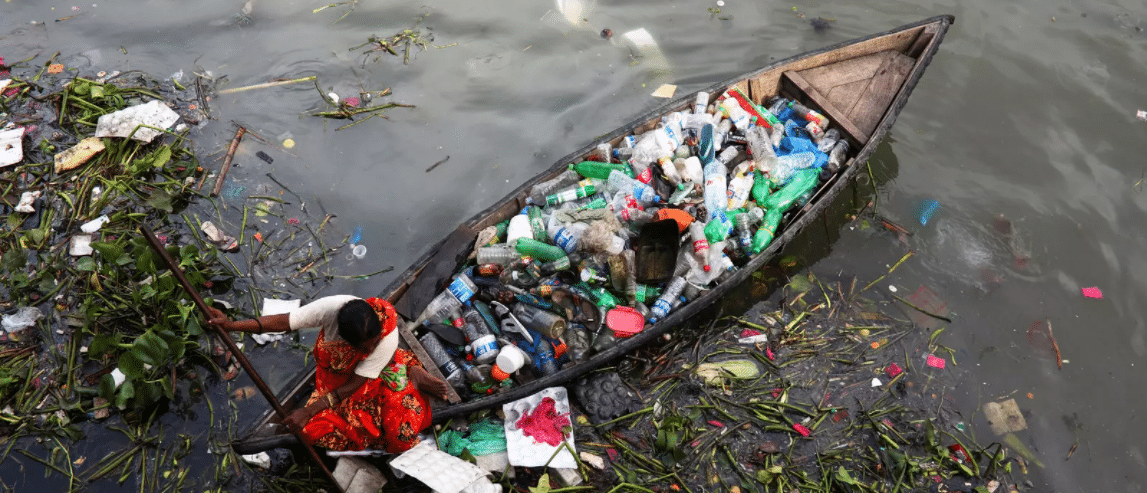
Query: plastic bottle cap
x,y
707,268
624,321
498,374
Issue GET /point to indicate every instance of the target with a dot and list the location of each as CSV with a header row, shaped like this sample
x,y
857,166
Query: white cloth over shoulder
x,y
324,314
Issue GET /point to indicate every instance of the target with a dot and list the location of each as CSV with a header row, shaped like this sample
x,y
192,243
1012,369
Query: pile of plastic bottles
x,y
557,283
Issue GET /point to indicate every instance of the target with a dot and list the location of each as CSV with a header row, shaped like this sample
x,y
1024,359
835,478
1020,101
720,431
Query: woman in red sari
x,y
368,391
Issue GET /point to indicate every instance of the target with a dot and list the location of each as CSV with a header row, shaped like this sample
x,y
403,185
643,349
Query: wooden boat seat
x,y
854,93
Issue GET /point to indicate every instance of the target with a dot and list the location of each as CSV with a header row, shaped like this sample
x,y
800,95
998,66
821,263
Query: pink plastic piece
x,y
544,423
892,370
624,321
801,429
936,362
1092,292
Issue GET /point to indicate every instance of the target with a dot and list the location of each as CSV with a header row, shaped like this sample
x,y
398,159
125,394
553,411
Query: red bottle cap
x,y
498,374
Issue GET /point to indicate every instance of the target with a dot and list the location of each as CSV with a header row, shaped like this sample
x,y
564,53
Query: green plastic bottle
x,y
502,228
600,170
545,252
597,203
761,187
802,182
643,293
718,228
537,224
767,231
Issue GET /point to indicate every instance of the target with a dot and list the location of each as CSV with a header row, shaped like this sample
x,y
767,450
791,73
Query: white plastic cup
x,y
359,251
510,358
519,228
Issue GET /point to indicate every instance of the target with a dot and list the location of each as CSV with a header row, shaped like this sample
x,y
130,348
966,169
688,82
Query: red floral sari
x,y
385,413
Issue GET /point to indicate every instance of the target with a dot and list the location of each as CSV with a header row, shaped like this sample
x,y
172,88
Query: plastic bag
x,y
25,317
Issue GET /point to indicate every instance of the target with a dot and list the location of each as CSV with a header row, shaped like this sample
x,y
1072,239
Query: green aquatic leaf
x,y
130,365
161,200
110,252
160,157
101,344
126,392
86,264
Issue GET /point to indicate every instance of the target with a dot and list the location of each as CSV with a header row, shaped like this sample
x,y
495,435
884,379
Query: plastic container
x,y
691,170
624,321
519,228
510,359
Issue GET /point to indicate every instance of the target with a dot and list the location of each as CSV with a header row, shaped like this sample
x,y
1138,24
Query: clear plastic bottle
x,y
789,164
716,188
539,192
442,359
570,194
663,305
736,114
828,140
744,227
808,114
537,222
721,133
739,188
700,103
603,152
567,236
501,254
762,148
577,338
644,194
442,307
669,170
837,156
700,243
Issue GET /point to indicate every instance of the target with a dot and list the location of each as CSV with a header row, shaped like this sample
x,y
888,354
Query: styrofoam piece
x,y
437,469
594,460
78,154
81,245
568,476
524,451
355,474
482,485
27,200
260,459
272,306
4,84
95,224
123,122
495,462
1005,417
11,146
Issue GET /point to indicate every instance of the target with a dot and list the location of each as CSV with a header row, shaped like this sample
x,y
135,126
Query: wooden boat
x,y
860,85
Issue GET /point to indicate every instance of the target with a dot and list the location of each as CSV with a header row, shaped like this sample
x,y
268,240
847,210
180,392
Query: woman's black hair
x,y
358,322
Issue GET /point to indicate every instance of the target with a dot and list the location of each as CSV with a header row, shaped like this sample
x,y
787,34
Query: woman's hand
x,y
298,419
217,318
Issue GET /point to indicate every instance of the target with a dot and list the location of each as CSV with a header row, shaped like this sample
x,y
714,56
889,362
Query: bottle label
x,y
646,176
485,345
462,289
700,246
565,239
450,367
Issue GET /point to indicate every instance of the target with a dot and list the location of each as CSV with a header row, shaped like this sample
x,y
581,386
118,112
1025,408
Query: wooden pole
x,y
263,388
227,161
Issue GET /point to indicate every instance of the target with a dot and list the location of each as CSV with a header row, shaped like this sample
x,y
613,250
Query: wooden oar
x,y
174,267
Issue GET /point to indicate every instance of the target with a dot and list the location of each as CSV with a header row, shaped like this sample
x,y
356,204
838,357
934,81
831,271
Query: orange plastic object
x,y
683,218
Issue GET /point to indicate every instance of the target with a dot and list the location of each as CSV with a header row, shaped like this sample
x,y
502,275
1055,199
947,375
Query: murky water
x,y
1027,111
